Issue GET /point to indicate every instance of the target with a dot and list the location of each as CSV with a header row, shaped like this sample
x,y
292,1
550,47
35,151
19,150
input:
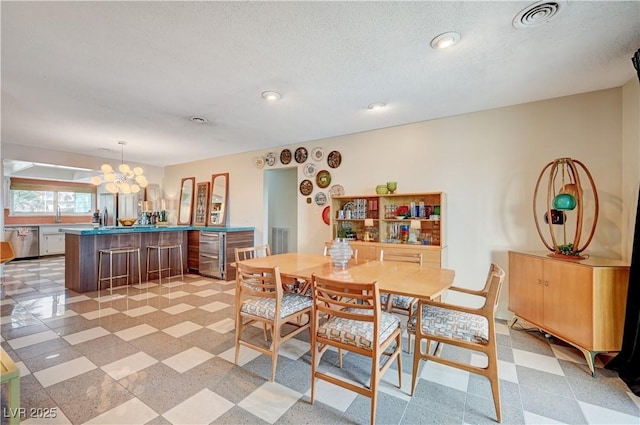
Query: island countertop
x,y
113,230
82,247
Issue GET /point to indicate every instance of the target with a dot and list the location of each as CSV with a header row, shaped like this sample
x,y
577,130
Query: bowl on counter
x,y
127,221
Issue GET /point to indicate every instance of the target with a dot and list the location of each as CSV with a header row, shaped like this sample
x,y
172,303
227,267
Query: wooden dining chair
x,y
261,298
348,316
469,328
400,303
6,252
250,252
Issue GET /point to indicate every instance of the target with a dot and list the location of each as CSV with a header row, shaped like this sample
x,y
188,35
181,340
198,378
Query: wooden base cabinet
x,y
581,302
193,250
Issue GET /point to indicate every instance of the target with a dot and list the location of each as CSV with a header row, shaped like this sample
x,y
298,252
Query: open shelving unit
x,y
386,232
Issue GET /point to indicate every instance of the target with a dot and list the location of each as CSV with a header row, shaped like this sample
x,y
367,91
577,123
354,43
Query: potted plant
x,y
568,250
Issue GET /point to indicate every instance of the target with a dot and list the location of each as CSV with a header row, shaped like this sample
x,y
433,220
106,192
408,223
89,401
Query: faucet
x,y
58,217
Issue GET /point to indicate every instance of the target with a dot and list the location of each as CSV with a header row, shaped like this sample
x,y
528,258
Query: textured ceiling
x,y
79,76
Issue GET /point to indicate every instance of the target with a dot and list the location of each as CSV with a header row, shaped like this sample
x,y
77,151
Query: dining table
x,y
394,277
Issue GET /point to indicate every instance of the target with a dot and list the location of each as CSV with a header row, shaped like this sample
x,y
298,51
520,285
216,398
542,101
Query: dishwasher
x,y
24,240
212,254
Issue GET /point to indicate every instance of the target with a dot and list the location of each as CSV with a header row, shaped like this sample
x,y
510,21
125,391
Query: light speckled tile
x,y
537,361
37,338
203,407
128,365
214,306
223,326
132,411
136,332
64,371
178,308
86,335
270,401
187,359
182,329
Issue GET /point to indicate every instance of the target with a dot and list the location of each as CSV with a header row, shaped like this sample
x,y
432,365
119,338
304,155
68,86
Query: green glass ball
x,y
564,201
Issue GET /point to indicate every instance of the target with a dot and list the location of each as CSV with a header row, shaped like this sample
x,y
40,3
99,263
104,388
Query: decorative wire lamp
x,y
564,203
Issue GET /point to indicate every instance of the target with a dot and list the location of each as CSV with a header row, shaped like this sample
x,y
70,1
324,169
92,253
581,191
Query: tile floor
x,y
166,357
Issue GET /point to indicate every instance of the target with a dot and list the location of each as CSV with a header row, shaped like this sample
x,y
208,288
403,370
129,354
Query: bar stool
x,y
127,251
168,248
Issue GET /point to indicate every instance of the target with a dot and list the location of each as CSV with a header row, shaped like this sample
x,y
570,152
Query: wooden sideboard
x,y
581,302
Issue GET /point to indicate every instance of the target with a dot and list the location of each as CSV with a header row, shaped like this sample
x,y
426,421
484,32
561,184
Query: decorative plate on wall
x,y
334,159
317,154
321,198
301,155
306,187
258,161
310,169
325,215
285,156
336,190
323,179
270,159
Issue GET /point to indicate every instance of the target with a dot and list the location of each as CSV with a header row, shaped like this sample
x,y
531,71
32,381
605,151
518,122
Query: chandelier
x,y
125,179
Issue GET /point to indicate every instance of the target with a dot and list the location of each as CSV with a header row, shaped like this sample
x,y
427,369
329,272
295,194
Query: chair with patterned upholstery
x,y
348,316
401,303
261,298
469,328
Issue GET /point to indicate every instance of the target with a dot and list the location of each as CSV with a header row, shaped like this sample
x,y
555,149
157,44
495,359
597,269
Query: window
x,y
42,197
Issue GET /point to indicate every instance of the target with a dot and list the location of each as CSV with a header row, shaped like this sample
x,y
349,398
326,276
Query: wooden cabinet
x,y
579,301
349,216
193,250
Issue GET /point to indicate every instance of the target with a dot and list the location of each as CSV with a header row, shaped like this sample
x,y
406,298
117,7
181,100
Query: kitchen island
x,y
82,246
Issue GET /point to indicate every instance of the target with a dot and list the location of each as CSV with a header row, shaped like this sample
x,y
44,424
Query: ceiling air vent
x,y
536,14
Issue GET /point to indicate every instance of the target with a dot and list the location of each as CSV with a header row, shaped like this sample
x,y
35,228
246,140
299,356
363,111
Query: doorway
x,y
281,204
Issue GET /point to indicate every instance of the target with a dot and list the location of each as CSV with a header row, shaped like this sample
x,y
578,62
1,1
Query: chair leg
x,y
375,376
399,342
495,389
417,352
238,334
275,336
315,359
181,263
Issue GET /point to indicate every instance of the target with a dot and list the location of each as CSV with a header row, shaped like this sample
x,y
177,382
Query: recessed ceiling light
x,y
445,40
377,106
198,120
271,95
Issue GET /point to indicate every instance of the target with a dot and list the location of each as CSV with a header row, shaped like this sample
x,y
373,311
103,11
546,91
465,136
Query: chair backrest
x,y
408,257
6,252
252,252
493,287
263,282
348,300
327,247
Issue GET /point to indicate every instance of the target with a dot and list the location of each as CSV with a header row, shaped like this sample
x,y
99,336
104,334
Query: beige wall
x,y
486,162
630,161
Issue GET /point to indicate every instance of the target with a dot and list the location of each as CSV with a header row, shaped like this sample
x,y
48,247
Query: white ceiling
x,y
79,76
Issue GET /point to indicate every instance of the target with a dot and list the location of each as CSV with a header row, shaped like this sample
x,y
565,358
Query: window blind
x,y
18,183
